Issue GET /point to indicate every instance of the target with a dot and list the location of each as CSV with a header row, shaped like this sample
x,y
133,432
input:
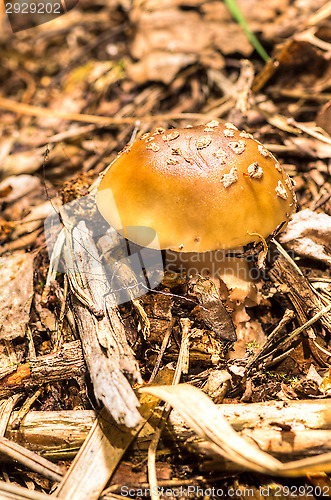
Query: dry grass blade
x,y
26,109
272,338
181,367
96,461
13,492
6,408
237,14
30,459
313,132
203,416
304,298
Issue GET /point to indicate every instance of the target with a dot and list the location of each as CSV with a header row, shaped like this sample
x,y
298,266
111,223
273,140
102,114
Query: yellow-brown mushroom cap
x,y
200,188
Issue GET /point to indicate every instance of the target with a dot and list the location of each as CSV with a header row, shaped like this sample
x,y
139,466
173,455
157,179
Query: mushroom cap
x,y
200,188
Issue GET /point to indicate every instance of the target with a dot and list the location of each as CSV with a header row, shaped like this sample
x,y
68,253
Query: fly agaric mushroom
x,y
204,190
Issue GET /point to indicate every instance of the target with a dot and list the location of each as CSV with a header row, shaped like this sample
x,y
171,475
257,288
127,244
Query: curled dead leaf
x,y
309,235
203,416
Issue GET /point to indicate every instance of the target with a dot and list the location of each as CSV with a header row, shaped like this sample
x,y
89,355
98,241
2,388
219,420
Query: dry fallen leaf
x,y
25,162
171,34
204,417
309,235
16,186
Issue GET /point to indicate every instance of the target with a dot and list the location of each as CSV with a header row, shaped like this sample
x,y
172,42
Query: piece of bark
x,y
64,364
96,461
281,444
52,432
298,414
291,444
213,312
16,292
300,291
158,310
296,446
10,491
109,358
65,431
111,387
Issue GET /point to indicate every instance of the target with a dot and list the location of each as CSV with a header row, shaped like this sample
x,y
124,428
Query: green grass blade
x,y
238,16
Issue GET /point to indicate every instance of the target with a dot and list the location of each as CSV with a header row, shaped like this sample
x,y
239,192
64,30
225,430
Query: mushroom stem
x,y
231,275
235,281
